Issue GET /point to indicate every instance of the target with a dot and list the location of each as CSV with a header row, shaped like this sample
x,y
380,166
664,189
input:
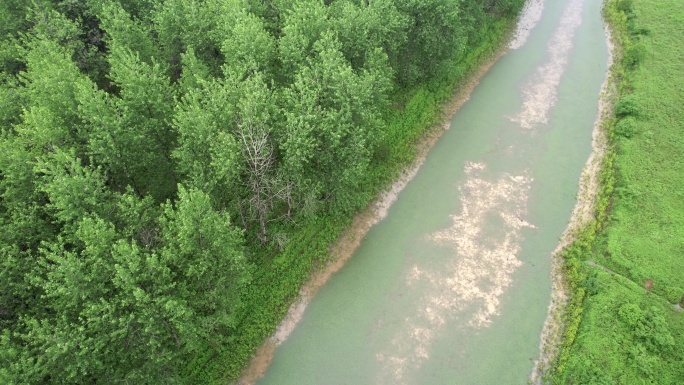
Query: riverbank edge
x,y
590,215
346,244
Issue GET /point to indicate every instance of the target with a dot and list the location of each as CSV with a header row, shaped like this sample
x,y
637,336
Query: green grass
x,y
619,332
625,336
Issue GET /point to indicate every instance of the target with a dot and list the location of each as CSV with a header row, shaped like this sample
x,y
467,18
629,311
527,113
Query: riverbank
x,y
480,61
470,73
621,322
583,214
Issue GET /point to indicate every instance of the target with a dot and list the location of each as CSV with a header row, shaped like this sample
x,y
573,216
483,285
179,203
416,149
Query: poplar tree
x,y
331,126
131,132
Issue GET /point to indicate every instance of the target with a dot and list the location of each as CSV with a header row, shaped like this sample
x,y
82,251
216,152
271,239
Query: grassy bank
x,y
623,322
276,283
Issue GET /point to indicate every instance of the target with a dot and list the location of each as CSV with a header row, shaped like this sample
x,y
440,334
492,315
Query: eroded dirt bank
x,y
583,213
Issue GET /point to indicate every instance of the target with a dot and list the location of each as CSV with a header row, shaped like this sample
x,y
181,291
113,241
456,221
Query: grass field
x,y
627,271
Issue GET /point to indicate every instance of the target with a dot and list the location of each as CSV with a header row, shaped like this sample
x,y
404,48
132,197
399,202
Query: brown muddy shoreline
x,y
343,249
582,214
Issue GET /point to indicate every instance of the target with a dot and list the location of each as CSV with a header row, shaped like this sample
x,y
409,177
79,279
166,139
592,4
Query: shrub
x,y
635,55
628,105
626,127
673,294
625,6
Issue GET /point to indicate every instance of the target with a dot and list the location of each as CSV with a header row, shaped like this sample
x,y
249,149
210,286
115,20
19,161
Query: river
x,y
452,286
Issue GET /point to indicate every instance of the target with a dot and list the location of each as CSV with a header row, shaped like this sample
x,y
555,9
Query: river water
x,y
452,286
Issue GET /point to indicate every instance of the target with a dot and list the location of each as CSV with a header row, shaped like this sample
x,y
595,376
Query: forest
x,y
172,170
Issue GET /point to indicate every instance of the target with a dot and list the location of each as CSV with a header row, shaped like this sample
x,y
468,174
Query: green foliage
x,y
435,34
73,191
246,45
181,24
634,55
100,330
628,105
624,6
125,32
205,253
303,26
624,337
129,312
626,127
208,155
363,28
331,126
130,132
13,17
51,115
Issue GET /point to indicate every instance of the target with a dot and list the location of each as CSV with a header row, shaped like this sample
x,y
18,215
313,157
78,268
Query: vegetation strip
x,y
621,323
582,216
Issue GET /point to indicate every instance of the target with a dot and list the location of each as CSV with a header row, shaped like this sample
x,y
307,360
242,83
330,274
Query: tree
x,y
10,100
130,131
182,24
205,251
51,116
124,32
49,122
254,119
112,311
246,45
362,27
208,155
303,26
435,34
106,309
332,125
13,17
23,220
73,191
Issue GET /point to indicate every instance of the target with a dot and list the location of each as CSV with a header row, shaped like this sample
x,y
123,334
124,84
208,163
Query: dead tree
x,y
257,151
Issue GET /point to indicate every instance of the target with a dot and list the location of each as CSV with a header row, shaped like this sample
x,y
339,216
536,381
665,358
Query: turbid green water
x,y
452,287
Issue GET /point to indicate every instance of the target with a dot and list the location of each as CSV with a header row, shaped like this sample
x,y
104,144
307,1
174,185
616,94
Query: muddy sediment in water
x,y
457,284
529,17
541,94
583,212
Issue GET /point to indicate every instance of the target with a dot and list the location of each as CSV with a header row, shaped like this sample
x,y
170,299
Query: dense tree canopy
x,y
149,148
